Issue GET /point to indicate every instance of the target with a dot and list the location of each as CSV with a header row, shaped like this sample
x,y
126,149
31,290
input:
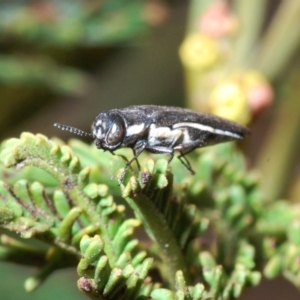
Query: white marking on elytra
x,y
135,129
186,136
157,134
207,128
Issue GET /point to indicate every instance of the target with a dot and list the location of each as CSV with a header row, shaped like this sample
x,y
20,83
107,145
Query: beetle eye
x,y
116,133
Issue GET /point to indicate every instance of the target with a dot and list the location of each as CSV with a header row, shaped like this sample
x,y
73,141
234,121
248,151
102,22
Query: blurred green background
x,y
65,61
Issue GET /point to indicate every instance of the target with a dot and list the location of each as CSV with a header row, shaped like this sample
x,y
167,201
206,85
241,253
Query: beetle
x,y
158,129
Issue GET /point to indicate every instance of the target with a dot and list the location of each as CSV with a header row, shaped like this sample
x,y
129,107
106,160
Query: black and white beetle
x,y
159,129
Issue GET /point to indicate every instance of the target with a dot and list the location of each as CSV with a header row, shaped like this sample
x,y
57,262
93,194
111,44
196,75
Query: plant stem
x,y
278,155
251,16
157,225
280,40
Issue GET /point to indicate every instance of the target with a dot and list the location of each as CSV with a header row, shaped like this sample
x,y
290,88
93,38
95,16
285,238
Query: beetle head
x,y
108,130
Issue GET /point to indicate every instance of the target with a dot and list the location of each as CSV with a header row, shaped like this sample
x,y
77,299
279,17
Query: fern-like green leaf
x,y
211,234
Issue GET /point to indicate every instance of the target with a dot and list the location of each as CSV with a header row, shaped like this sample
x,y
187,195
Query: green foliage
x,y
72,23
210,235
56,29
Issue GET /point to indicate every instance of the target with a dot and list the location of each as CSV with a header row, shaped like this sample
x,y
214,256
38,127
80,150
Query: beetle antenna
x,y
73,130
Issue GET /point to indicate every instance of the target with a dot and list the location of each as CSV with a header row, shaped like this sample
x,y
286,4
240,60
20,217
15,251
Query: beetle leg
x,y
185,161
137,150
170,151
171,156
135,155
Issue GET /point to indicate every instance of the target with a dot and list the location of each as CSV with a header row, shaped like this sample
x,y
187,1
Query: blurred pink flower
x,y
218,20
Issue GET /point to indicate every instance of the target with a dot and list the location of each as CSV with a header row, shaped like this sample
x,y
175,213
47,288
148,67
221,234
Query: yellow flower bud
x,y
198,52
229,100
